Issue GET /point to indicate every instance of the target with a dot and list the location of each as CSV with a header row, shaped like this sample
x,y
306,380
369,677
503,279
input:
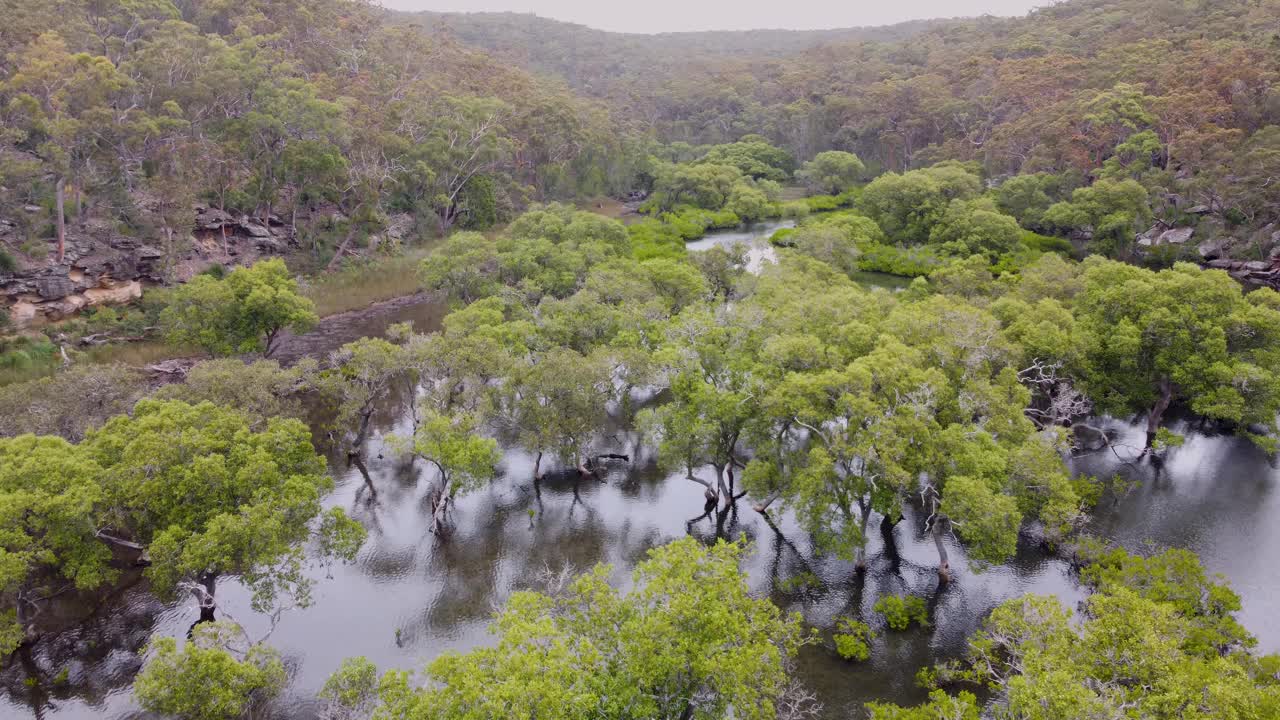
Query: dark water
x,y
1215,495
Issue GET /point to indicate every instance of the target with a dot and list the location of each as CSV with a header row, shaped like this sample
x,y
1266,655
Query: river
x,y
411,596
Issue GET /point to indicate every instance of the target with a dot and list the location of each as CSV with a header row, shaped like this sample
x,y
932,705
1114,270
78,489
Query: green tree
x,y
1183,335
755,156
1111,211
1136,651
244,312
688,641
463,459
976,227
561,403
216,675
907,206
748,203
258,500
50,495
831,172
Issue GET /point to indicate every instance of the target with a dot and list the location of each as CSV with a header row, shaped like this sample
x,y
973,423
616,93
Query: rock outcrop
x,y
103,267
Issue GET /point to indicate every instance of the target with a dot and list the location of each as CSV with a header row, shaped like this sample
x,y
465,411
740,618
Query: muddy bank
x,y
425,310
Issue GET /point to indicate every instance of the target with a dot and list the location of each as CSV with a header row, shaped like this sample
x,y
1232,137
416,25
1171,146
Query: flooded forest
x,y
358,363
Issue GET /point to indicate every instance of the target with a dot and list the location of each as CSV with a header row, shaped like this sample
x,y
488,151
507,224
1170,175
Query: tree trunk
x,y
720,482
441,506
861,560
60,192
363,432
1157,411
763,505
944,565
358,461
537,467
209,584
337,255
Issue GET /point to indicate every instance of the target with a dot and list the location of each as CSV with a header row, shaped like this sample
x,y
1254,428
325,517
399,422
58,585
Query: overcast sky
x,y
672,15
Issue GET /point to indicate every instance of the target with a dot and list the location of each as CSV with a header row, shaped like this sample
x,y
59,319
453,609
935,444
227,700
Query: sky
x,y
649,16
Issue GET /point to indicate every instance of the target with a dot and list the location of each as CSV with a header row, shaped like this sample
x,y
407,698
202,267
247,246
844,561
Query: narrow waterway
x,y
411,596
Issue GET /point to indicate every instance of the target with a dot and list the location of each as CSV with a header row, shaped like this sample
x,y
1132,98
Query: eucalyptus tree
x,y
560,403
714,395
50,496
464,460
364,374
218,674
247,311
831,172
258,501
1149,642
688,641
1183,335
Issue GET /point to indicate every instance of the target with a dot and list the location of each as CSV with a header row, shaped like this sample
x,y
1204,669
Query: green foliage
x,y
907,206
261,389
260,494
70,402
1111,211
209,678
853,639
7,262
688,640
244,312
831,172
899,611
1156,639
1179,335
754,157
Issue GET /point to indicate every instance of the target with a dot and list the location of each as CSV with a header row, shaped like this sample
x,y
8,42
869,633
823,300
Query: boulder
x,y
54,287
1199,210
1213,249
253,229
1176,236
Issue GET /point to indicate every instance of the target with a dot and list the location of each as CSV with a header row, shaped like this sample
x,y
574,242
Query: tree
x,y
688,641
58,98
976,227
714,396
1183,335
364,372
755,156
216,675
244,312
262,390
1112,212
706,185
748,203
561,404
50,494
258,500
831,172
907,206
463,459
1138,650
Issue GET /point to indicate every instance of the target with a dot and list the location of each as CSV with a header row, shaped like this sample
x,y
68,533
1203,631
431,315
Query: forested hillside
x,y
121,117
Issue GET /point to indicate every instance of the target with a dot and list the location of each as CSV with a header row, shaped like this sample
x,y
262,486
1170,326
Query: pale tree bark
x,y
60,192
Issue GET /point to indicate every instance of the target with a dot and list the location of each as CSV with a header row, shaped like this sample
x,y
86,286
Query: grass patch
x,y
359,284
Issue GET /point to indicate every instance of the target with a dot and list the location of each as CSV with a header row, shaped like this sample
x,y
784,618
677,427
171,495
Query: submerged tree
x,y
1150,643
687,642
1183,335
217,675
204,496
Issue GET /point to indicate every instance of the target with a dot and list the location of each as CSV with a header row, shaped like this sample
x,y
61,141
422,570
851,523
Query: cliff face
x,y
101,266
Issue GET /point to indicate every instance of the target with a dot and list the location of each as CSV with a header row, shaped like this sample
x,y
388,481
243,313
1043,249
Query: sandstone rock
x,y
1257,266
1212,249
22,313
1199,210
1176,236
253,229
114,293
54,287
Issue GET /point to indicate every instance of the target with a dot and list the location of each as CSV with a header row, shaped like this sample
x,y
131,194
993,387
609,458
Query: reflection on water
x,y
411,596
754,237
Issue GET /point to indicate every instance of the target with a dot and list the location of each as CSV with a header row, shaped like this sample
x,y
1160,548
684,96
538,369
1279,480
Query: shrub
x,y
853,639
900,611
1047,243
7,262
